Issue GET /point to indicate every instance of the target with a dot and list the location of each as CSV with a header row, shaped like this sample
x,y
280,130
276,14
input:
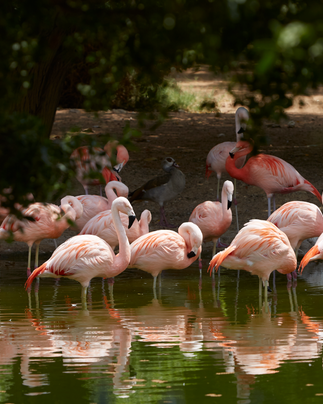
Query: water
x,y
207,341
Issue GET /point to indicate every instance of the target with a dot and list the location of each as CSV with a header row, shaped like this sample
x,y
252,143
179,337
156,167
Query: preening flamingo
x,y
48,221
298,220
102,225
315,253
217,156
259,248
94,204
166,249
163,188
84,257
99,159
214,218
272,174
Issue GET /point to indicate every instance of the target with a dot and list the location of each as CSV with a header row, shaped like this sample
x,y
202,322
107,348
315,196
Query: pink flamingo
x,y
84,257
214,218
272,174
166,249
217,156
48,221
259,248
94,204
315,253
102,225
299,221
99,159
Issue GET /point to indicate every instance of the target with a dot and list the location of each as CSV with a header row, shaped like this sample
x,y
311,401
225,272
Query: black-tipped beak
x,y
241,130
229,204
231,155
131,220
191,254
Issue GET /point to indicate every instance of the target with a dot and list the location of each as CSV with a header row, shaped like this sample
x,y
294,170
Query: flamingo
x,y
216,158
94,204
48,221
99,159
166,249
214,218
259,248
162,188
270,173
102,225
84,257
315,253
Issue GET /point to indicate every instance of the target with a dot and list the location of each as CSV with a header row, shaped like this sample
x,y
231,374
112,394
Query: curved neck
x,y
111,196
224,201
230,164
143,224
121,261
185,232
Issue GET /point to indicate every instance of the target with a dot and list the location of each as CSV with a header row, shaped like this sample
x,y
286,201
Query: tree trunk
x,y
47,79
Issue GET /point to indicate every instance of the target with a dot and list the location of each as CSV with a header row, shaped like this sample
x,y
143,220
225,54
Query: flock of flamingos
x,y
260,247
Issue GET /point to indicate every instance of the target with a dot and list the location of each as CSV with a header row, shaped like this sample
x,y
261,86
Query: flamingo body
x,y
166,249
259,248
84,257
270,173
94,204
214,218
102,226
298,220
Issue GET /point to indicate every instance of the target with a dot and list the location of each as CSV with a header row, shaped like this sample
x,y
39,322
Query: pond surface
x,y
195,341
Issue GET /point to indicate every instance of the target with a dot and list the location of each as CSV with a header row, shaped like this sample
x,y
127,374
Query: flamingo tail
x,y
217,260
307,257
35,273
208,172
313,190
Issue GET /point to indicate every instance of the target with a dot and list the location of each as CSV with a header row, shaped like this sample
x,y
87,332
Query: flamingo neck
x,y
122,259
144,225
230,164
111,196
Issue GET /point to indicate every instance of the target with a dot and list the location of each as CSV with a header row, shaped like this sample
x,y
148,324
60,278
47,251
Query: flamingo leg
x,y
37,256
200,264
266,296
218,188
55,243
84,294
236,203
155,282
269,206
29,259
214,249
274,203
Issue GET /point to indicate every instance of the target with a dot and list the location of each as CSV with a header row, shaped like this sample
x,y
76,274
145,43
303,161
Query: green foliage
x,y
273,49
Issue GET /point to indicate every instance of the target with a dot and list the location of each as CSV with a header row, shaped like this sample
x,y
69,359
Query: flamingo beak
x,y
132,218
117,168
231,155
229,204
241,130
191,254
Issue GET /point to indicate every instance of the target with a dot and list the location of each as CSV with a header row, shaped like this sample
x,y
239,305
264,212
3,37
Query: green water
x,y
198,341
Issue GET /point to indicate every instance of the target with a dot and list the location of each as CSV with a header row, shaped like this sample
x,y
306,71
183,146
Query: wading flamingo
x,y
298,220
259,248
84,257
162,189
217,156
214,218
315,253
94,204
102,225
48,221
166,249
272,174
98,160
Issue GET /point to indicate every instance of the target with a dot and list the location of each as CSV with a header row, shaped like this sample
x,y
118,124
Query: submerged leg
x,y
266,296
200,264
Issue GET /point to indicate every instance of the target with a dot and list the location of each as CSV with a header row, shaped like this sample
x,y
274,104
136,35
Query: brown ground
x,y
188,137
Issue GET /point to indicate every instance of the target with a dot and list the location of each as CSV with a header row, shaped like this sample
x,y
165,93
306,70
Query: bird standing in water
x,y
84,257
46,221
166,249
